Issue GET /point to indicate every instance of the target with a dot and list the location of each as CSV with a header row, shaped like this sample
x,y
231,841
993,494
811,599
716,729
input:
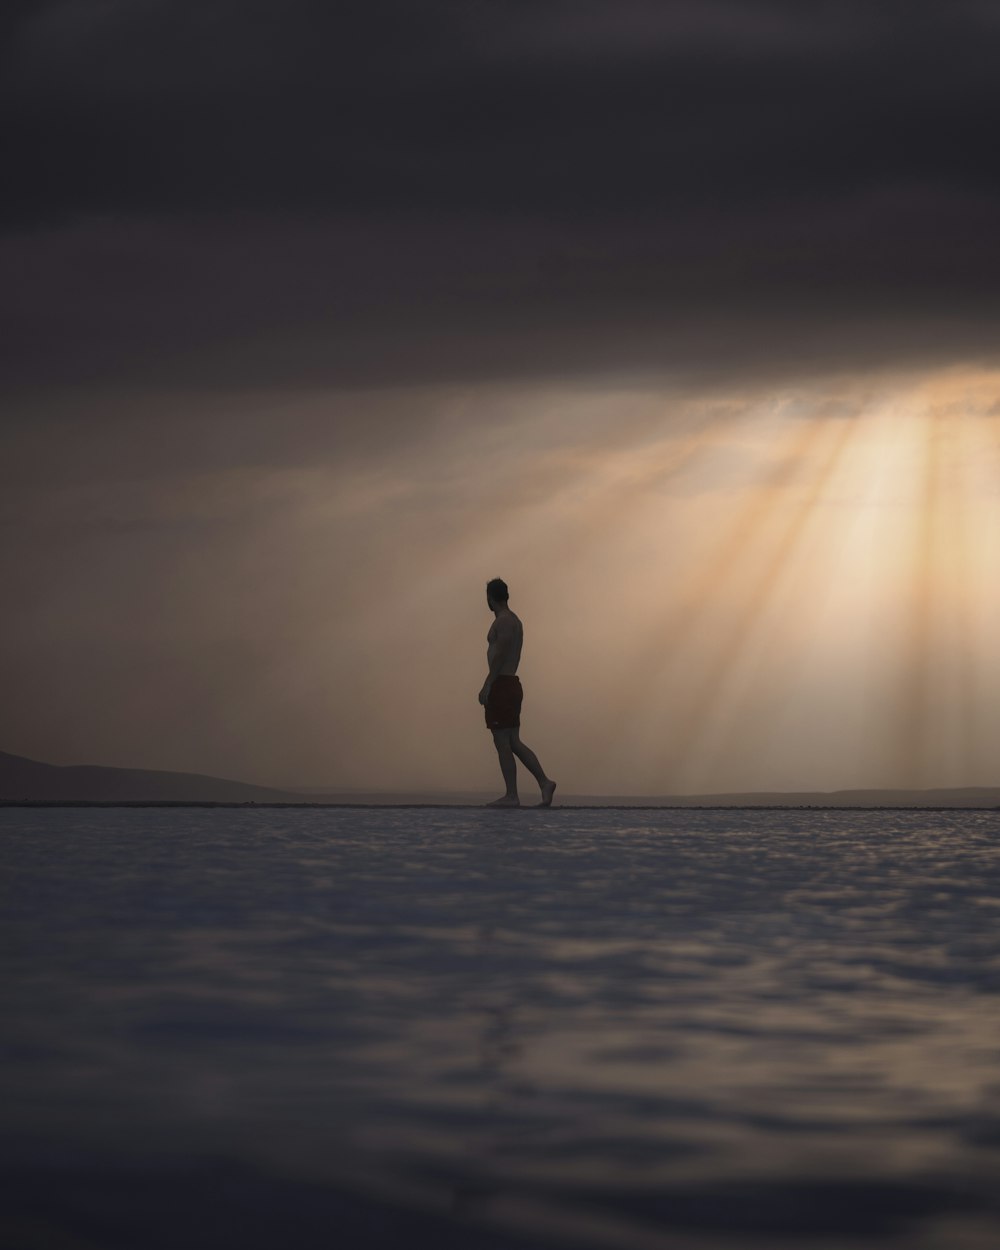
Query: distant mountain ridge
x,y
29,780
958,797
26,780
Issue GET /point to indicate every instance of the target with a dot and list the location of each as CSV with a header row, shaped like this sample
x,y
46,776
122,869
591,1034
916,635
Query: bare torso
x,y
506,634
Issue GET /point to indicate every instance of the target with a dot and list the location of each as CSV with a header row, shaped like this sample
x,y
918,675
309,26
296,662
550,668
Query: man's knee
x,y
502,739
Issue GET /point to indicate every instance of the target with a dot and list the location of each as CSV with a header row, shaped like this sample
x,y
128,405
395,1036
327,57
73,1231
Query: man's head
x,y
497,593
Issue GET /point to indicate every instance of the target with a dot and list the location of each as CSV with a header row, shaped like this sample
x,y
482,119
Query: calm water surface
x,y
500,1029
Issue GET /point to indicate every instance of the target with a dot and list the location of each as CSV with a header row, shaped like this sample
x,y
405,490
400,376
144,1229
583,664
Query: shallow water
x,y
496,1029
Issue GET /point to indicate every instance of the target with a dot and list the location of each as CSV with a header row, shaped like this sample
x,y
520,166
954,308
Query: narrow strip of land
x,y
527,807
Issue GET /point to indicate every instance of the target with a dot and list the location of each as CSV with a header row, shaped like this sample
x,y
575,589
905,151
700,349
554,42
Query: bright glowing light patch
x,y
842,604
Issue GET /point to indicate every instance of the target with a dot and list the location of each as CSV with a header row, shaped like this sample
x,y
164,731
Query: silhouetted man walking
x,y
501,696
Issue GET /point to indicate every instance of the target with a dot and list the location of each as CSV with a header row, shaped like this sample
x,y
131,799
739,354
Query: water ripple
x,y
677,1029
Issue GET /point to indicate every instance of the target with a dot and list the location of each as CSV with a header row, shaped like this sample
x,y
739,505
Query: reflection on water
x,y
499,1029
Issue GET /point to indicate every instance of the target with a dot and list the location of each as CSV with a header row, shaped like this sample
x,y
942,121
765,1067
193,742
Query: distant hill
x,y
972,796
23,779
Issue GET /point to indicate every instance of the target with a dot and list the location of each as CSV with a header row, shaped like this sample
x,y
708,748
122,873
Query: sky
x,y
681,317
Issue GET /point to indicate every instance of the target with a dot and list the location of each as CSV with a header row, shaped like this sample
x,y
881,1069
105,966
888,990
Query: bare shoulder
x,y
509,624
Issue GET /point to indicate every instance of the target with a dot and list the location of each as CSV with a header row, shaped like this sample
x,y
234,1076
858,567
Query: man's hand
x,y
484,694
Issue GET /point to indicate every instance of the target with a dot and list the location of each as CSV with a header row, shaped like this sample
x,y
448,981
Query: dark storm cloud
x,y
265,191
583,108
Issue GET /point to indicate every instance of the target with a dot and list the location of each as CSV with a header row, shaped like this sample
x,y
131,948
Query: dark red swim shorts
x,y
503,703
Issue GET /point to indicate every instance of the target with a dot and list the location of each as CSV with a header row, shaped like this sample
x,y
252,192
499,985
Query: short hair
x,y
497,590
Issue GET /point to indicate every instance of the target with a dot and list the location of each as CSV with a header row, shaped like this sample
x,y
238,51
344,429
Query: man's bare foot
x,y
547,792
506,801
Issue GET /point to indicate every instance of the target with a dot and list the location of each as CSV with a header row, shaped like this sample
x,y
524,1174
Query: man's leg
x,y
508,766
530,760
